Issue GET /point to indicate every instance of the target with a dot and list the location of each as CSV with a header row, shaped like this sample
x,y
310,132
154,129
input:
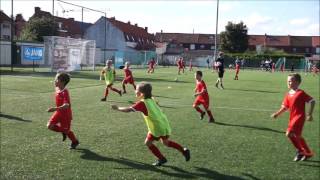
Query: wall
x,y
5,52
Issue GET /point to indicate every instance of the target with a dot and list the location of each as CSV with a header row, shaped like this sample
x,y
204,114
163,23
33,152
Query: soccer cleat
x,y
186,154
120,93
298,157
221,86
64,136
74,145
211,120
216,85
306,157
103,99
124,92
202,115
159,162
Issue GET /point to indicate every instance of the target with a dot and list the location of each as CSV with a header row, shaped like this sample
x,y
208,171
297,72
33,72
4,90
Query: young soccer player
x,y
202,97
220,67
128,78
60,121
157,123
151,64
237,64
295,101
109,74
190,65
180,65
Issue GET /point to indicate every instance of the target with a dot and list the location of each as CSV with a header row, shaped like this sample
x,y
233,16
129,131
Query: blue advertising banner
x,y
32,53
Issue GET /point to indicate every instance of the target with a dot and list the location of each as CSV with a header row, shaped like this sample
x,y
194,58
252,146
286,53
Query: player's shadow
x,y
178,172
165,97
250,127
251,90
10,117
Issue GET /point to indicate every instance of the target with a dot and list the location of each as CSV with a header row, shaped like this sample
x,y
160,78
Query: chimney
x,y
113,18
72,19
128,22
37,10
136,25
19,18
161,35
146,28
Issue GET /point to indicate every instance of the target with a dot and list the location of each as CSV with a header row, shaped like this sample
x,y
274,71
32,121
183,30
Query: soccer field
x,y
244,143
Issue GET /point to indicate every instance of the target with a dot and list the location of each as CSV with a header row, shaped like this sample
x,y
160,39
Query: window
x,y
173,45
307,50
202,46
212,47
294,50
317,50
192,46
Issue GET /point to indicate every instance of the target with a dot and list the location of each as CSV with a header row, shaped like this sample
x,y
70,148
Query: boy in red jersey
x,y
295,101
190,65
202,97
180,65
273,67
60,121
237,63
157,123
151,64
128,78
109,76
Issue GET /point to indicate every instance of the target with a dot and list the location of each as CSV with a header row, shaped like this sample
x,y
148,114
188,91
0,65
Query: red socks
x,y
175,145
210,114
198,109
71,136
155,151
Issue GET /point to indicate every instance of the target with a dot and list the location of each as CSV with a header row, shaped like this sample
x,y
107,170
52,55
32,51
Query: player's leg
x,y
175,145
296,143
106,92
154,150
124,86
206,107
66,125
195,105
115,89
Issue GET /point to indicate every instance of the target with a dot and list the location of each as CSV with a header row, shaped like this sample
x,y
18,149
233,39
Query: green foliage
x,y
234,38
36,28
244,143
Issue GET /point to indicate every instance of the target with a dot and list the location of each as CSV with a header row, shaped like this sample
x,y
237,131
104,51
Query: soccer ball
x,y
176,79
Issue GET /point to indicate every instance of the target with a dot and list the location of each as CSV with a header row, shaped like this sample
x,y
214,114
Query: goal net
x,y
69,54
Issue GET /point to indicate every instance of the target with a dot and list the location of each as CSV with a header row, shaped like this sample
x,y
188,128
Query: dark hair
x,y
63,77
296,77
146,89
199,73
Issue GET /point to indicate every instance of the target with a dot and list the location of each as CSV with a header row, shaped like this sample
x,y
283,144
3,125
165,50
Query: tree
x,y
235,38
36,28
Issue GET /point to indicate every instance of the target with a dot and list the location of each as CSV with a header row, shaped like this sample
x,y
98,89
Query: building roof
x,y
71,26
185,38
131,29
4,17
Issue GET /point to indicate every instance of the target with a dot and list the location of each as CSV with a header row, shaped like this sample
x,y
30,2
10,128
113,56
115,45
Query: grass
x,y
244,143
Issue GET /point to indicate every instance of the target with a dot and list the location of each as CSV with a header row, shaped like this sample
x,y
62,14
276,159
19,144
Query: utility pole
x,y
215,37
11,37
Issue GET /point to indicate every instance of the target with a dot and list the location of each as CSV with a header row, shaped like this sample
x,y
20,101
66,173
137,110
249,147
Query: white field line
x,y
222,107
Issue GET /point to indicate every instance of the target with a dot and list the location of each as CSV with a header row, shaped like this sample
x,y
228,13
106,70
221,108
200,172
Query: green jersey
x,y
157,122
109,76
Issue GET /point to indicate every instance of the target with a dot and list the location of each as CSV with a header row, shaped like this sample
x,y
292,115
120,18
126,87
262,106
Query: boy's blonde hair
x,y
296,77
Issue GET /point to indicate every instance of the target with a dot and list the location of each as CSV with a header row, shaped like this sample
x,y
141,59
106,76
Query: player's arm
x,y
101,73
63,106
280,111
122,109
310,111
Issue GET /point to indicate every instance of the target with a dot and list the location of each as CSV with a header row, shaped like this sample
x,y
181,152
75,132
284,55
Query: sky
x,y
273,17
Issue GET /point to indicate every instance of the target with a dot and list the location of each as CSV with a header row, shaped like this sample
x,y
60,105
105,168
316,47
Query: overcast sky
x,y
274,17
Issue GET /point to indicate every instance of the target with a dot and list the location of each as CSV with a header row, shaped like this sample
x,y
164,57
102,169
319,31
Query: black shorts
x,y
220,73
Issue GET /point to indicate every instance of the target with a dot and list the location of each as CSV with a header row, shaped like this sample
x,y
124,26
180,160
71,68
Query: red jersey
x,y
200,86
141,107
63,97
151,63
180,63
295,102
127,73
237,67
